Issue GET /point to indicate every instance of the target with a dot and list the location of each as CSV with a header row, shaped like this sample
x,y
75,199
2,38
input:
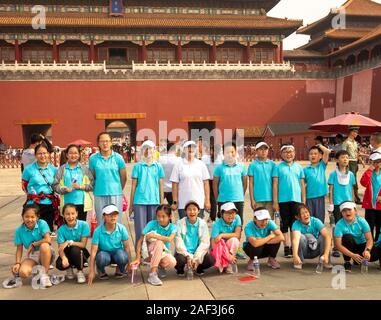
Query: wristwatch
x,y
367,249
71,242
174,202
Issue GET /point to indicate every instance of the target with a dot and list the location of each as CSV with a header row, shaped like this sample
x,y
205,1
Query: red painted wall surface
x,y
74,104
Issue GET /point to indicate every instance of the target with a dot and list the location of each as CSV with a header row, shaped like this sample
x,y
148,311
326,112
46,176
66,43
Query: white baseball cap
x,y
375,156
262,214
189,143
261,144
347,205
111,208
149,144
287,147
228,206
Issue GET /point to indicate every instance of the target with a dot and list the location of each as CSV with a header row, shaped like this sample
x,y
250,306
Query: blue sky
x,y
308,10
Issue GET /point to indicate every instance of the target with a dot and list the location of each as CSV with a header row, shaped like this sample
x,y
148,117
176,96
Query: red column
x,y
55,51
144,51
213,53
92,52
277,54
17,51
247,53
281,52
179,52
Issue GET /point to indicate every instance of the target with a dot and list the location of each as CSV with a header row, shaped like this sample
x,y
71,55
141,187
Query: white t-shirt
x,y
190,176
168,161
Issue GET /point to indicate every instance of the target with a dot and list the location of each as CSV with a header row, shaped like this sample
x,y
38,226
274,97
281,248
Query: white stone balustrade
x,y
43,66
285,66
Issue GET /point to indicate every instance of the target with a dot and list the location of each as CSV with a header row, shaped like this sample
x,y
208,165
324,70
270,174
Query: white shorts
x,y
35,256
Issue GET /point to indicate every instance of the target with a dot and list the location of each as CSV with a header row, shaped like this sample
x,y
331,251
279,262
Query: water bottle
x,y
57,279
257,267
277,218
235,268
190,274
320,265
364,266
33,191
134,267
331,219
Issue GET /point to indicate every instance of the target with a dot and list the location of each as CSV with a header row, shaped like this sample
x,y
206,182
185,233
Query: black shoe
x,y
200,272
287,252
103,276
180,274
347,266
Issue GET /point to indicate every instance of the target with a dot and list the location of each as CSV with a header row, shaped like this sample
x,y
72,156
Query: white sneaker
x,y
70,274
298,266
154,279
81,277
45,281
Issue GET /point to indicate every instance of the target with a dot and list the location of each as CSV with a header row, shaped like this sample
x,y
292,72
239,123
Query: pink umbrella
x,y
81,142
342,122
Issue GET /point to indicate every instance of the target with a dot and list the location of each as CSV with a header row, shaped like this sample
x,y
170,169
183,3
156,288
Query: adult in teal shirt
x,y
147,190
310,239
109,246
316,181
109,171
263,239
353,237
230,180
37,181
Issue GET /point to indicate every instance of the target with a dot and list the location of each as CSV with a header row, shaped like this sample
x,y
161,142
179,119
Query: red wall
x,y
74,104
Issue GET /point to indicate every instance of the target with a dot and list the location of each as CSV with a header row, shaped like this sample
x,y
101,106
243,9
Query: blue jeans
x,y
105,258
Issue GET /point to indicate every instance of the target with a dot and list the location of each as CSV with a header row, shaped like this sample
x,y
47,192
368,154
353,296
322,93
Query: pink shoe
x,y
272,263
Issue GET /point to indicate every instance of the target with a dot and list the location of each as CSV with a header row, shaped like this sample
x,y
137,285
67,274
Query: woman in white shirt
x,y
190,181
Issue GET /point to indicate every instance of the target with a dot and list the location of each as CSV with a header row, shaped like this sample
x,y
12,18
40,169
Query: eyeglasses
x,y
105,141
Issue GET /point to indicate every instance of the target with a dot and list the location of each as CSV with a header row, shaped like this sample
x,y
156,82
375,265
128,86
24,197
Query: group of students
x,y
297,194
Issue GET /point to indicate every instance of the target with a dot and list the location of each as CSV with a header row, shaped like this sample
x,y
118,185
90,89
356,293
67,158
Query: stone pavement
x,y
285,283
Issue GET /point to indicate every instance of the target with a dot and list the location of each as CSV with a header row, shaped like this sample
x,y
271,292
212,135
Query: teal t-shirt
x,y
220,226
65,233
191,239
357,229
110,241
147,188
36,182
72,176
262,171
230,186
252,230
166,231
289,186
341,192
107,177
316,181
25,236
313,227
